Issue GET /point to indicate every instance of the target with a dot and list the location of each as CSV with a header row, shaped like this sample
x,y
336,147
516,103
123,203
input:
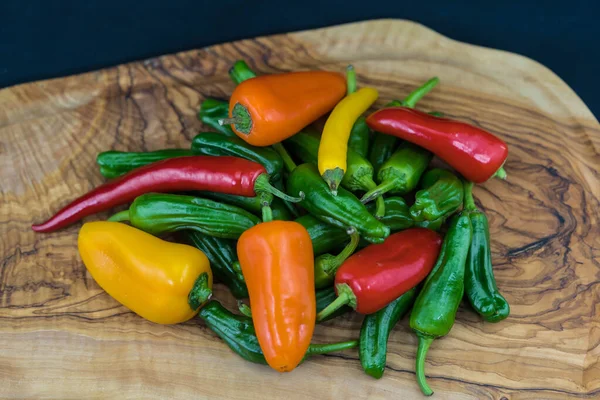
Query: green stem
x,y
290,165
244,309
368,184
345,296
240,71
120,216
238,270
345,253
501,173
378,191
267,214
468,197
424,343
315,349
350,79
333,177
417,94
262,185
436,114
200,293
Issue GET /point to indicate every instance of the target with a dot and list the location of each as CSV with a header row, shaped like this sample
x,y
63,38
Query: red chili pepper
x,y
476,154
231,175
380,273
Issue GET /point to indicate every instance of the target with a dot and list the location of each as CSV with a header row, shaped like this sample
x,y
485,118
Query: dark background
x,y
55,38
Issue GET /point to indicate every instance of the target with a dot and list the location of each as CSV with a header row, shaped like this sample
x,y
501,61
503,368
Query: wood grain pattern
x,y
62,337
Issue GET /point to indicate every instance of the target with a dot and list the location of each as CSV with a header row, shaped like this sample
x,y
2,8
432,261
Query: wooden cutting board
x,y
62,337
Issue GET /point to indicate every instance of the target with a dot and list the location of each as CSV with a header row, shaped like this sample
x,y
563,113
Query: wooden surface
x,y
62,337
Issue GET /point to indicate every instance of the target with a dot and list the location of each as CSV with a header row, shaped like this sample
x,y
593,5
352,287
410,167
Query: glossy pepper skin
x,y
476,154
435,308
400,174
333,147
251,204
151,277
116,163
213,110
359,172
480,283
325,237
375,332
237,331
384,145
221,254
158,213
376,275
277,262
216,144
343,210
397,214
230,175
270,108
440,196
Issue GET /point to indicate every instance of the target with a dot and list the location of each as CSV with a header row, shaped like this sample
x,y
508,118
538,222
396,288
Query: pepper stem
x,y
267,213
417,94
469,202
290,165
315,349
200,292
120,216
501,173
378,191
240,71
350,80
244,309
368,184
333,177
345,296
424,343
345,253
240,119
228,121
262,185
238,270
436,114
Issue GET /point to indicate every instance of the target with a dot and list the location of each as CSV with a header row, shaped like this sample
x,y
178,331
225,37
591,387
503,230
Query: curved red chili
x,y
476,154
380,273
231,175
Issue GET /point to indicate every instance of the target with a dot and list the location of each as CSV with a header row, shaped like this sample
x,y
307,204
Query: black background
x,y
55,38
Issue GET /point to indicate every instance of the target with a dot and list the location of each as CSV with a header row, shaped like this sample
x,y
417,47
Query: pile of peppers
x,y
305,225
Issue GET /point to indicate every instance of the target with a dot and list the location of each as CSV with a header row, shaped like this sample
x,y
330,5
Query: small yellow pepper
x,y
150,276
334,140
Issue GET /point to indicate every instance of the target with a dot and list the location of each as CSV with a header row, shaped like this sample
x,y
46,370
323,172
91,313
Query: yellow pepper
x,y
150,276
334,140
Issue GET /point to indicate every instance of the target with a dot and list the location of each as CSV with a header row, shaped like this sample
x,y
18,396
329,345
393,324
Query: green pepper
x,y
116,163
397,216
359,172
441,196
435,308
480,283
240,71
325,237
324,298
384,145
222,254
252,204
401,172
433,225
359,135
216,144
343,210
326,265
211,111
158,213
375,332
237,331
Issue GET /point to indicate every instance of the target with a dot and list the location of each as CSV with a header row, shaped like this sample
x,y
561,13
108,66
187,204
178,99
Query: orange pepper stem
x,y
350,79
262,185
200,292
345,297
120,216
424,343
240,118
333,177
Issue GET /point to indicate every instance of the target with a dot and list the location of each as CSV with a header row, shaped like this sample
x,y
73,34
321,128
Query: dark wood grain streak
x,y
58,328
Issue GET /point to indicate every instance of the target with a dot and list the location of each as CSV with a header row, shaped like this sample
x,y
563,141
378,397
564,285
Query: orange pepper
x,y
270,108
277,263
